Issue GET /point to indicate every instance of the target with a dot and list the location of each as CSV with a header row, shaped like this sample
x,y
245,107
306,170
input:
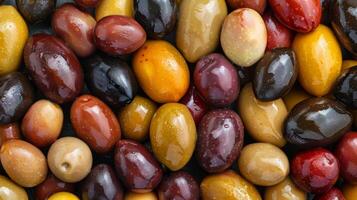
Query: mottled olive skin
x,y
102,183
306,126
217,80
136,166
51,186
220,140
110,79
16,96
195,104
344,23
275,74
179,185
346,88
158,17
35,11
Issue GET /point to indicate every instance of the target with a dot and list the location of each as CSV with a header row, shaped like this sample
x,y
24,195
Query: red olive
x,y
346,154
95,123
50,186
119,35
315,170
136,166
76,28
8,132
195,104
333,194
258,5
54,68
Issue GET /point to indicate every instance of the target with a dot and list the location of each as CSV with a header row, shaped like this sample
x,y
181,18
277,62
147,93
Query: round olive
x,y
10,191
63,196
285,190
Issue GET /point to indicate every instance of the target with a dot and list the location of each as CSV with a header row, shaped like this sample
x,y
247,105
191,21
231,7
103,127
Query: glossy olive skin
x,y
10,190
346,88
119,35
136,166
12,86
295,96
344,23
258,5
275,74
315,170
8,132
140,196
333,194
53,67
157,17
95,123
179,185
306,128
279,36
285,190
36,11
63,196
110,79
346,153
51,186
75,28
195,103
102,183
299,15
220,140
217,80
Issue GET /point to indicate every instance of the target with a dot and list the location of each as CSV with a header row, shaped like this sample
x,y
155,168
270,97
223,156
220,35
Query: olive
x,y
350,191
346,153
285,190
51,186
195,103
317,122
87,3
9,132
333,194
110,79
140,196
346,88
63,196
11,191
275,74
16,96
35,11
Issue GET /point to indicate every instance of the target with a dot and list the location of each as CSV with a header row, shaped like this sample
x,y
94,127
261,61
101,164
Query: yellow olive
x,y
138,196
10,191
228,186
285,190
63,196
350,192
13,36
319,59
199,26
294,97
114,7
263,119
173,135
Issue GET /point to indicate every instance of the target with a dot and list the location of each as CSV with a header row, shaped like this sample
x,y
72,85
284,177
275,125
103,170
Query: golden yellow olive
x,y
285,190
173,135
114,7
10,190
350,192
319,59
142,196
228,186
63,196
13,36
199,26
294,97
263,119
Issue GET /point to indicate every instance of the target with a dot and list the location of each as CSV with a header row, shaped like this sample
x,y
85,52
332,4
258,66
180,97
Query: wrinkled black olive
x,y
346,88
35,11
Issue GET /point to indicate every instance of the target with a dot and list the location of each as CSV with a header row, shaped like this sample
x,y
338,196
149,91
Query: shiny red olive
x,y
51,186
279,36
333,194
136,166
54,68
346,154
195,104
315,170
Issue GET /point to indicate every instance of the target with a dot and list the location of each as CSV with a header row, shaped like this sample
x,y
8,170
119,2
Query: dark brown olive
x,y
54,68
102,183
16,96
179,185
346,88
35,11
344,23
110,79
220,140
136,166
275,74
50,186
317,122
245,74
158,17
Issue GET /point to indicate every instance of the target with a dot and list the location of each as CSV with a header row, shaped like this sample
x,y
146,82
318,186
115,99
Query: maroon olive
x,y
346,154
136,166
315,170
179,185
195,104
54,68
333,194
220,139
50,186
217,80
102,183
76,28
119,35
258,5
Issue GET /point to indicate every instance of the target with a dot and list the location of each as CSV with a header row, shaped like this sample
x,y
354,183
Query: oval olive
x,y
158,17
69,159
35,11
9,132
275,74
317,122
350,191
346,88
140,196
63,196
114,7
23,162
110,79
285,190
51,186
16,96
220,139
136,166
10,190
